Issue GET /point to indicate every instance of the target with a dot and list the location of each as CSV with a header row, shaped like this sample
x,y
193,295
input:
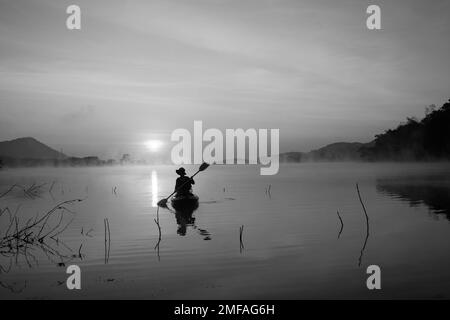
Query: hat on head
x,y
181,171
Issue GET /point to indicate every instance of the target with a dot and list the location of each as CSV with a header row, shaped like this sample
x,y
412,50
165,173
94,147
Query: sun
x,y
154,145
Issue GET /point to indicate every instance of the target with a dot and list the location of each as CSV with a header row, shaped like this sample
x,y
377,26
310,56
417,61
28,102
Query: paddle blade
x,y
162,203
204,166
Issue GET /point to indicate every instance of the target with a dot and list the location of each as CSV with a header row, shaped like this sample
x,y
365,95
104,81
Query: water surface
x,y
291,247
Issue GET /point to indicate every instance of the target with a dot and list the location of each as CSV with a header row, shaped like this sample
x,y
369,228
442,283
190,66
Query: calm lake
x,y
291,243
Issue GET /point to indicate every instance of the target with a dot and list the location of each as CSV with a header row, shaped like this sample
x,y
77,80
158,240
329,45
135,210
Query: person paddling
x,y
183,184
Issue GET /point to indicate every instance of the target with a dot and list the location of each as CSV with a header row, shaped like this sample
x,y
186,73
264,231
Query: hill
x,y
28,148
414,140
424,140
339,151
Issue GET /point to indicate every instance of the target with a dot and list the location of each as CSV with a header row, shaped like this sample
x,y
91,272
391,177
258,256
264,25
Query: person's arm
x,y
192,181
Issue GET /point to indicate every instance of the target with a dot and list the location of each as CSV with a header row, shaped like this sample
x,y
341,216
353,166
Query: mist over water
x,y
291,245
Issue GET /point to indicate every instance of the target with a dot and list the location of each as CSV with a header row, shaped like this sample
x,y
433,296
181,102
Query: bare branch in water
x,y
107,240
241,242
63,229
11,189
367,226
6,270
342,224
31,192
51,187
12,288
88,233
5,210
159,234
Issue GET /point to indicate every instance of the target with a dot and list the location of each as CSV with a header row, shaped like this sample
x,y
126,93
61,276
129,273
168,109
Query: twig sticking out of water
x,y
241,242
9,190
31,192
63,229
268,189
107,240
367,226
61,217
5,210
159,240
6,270
109,232
87,234
157,214
51,187
342,224
12,288
104,223
159,233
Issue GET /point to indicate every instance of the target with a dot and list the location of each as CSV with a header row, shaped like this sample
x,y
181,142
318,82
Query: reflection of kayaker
x,y
184,208
185,219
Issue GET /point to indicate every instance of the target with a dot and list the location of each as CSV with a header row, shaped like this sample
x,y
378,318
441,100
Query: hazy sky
x,y
139,69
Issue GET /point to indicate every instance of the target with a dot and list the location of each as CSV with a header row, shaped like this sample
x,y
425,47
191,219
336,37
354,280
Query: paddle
x,y
163,202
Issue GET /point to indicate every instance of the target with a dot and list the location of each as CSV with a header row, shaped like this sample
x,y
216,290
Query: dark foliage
x,y
428,139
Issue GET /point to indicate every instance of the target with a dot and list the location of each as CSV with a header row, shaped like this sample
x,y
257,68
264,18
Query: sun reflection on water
x,y
154,189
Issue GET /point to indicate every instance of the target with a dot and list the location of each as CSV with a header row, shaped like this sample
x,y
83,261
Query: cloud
x,y
79,115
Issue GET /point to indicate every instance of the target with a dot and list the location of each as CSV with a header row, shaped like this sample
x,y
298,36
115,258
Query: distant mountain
x,y
28,148
339,151
293,156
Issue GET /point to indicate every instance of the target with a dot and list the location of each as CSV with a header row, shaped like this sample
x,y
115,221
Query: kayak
x,y
185,203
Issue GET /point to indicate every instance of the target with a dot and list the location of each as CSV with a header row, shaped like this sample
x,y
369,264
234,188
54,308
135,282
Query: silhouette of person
x,y
183,184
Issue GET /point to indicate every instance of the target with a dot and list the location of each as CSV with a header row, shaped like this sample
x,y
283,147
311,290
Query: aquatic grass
x,y
21,238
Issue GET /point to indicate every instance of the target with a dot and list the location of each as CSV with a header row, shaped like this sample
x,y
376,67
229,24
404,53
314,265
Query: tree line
x,y
424,140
